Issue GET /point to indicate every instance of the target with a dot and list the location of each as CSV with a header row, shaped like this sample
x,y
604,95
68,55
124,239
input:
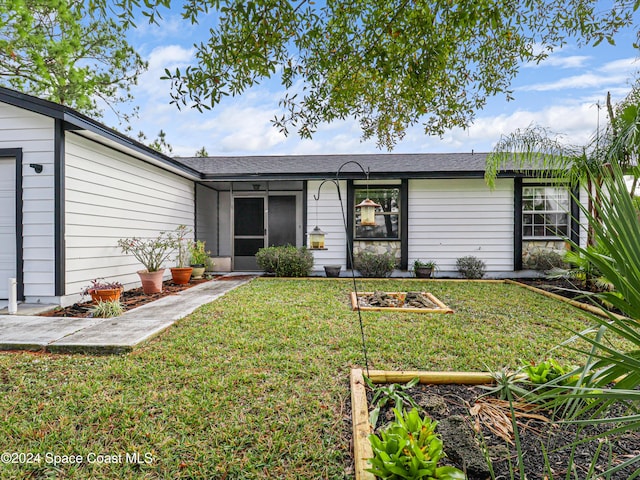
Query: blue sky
x,y
561,94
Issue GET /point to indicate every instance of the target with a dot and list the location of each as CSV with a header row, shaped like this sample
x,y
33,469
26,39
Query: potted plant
x,y
199,257
332,271
151,253
103,291
424,269
181,273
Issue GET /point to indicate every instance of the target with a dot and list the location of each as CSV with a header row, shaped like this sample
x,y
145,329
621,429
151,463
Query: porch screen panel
x,y
249,216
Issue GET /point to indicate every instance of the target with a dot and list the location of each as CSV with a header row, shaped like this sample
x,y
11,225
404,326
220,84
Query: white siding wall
x,y
449,219
34,133
110,195
329,219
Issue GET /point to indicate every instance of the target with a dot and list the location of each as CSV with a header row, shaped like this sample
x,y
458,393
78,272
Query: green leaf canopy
x,y
389,64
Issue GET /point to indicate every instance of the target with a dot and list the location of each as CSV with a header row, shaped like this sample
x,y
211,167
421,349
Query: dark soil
x,y
129,299
555,437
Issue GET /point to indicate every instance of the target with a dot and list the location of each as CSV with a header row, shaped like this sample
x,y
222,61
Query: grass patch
x,y
255,385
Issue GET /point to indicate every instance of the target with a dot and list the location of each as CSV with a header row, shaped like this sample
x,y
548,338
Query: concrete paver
x,y
34,333
108,335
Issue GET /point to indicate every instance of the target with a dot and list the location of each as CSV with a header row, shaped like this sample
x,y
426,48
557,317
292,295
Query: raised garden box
x,y
415,302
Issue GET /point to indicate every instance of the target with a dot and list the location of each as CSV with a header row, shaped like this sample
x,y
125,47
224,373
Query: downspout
x,y
59,220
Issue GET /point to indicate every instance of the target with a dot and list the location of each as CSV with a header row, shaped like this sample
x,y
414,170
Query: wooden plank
x,y
362,450
583,306
404,376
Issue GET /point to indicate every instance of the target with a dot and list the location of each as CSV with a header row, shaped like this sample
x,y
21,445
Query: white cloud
x,y
574,123
587,80
609,75
627,65
558,61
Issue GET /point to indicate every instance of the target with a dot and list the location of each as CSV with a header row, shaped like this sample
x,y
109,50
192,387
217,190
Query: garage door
x,y
7,224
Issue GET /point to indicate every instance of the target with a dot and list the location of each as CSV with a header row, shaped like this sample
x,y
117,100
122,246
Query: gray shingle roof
x,y
316,166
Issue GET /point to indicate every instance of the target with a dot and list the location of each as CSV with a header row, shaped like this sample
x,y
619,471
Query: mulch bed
x,y
443,401
129,299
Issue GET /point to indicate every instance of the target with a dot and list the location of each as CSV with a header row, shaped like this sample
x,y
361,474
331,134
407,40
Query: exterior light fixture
x,y
367,212
316,238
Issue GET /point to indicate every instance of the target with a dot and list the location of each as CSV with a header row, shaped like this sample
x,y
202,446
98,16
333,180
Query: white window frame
x,y
546,211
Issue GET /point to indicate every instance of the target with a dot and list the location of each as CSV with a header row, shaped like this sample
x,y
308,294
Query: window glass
x,y
545,212
387,215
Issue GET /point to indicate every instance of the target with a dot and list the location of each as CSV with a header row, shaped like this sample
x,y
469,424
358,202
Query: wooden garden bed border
x,y
582,306
362,451
442,308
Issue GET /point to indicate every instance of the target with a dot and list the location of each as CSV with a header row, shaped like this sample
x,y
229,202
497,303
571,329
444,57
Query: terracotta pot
x,y
105,295
181,275
151,281
198,272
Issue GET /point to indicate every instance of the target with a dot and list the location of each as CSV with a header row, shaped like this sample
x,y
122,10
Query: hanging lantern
x,y
367,212
316,238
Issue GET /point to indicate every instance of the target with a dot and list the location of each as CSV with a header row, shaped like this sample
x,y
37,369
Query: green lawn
x,y
254,385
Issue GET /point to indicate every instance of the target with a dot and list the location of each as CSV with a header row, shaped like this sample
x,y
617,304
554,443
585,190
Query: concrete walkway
x,y
108,335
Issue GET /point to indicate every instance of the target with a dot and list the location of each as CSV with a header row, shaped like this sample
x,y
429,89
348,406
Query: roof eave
x,y
76,120
247,177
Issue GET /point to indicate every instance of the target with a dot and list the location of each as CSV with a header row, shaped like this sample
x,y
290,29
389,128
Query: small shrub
x,y
107,309
582,269
286,261
374,265
547,260
547,371
471,267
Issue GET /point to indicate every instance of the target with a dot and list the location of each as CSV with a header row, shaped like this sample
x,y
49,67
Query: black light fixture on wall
x,y
37,167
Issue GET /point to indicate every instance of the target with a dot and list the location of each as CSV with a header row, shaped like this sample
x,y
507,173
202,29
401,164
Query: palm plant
x,y
539,152
611,372
582,270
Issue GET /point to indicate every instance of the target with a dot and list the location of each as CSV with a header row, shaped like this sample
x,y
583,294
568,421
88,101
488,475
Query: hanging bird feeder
x,y
367,212
316,238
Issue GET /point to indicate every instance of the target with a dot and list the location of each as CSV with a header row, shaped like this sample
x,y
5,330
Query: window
x,y
545,212
387,215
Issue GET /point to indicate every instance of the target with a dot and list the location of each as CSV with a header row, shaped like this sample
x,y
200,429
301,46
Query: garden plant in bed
x,y
560,421
475,431
129,299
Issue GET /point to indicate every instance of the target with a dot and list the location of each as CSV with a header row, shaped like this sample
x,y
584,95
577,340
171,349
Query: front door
x,y
260,222
249,231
